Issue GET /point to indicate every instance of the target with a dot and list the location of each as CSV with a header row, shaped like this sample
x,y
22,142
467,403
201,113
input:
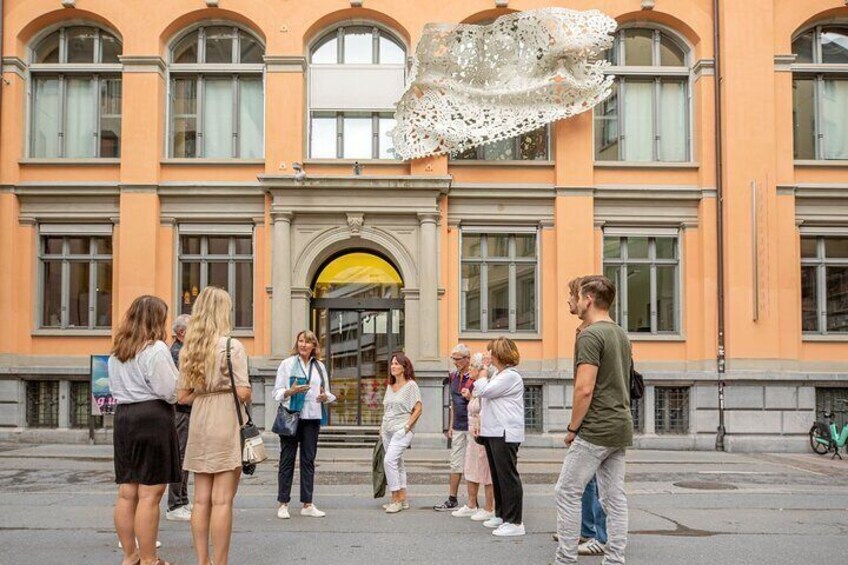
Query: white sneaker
x,y
464,512
493,522
591,547
404,505
283,512
509,530
312,512
481,515
394,508
179,514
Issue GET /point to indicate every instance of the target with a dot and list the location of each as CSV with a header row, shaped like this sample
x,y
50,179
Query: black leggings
x,y
506,482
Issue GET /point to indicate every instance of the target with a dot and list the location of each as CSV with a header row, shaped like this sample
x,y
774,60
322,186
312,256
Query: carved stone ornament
x,y
354,222
69,3
471,85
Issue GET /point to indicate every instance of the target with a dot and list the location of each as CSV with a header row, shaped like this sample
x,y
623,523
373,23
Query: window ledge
x,y
534,336
646,165
656,337
69,161
835,338
821,163
501,163
50,332
202,162
243,333
350,162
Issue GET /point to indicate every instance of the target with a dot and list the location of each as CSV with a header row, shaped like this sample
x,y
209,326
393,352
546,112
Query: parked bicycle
x,y
826,438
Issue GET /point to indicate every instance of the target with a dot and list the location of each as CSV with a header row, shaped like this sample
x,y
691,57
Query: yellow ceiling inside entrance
x,y
359,268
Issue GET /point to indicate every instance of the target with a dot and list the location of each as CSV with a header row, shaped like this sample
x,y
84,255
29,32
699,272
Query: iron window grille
x,y
671,410
824,285
656,262
499,282
76,282
72,67
42,404
533,408
223,261
81,406
637,409
828,399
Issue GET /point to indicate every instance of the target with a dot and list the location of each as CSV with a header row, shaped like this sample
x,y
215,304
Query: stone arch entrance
x,y
357,311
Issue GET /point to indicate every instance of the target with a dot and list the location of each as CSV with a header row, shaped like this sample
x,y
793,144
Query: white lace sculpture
x,y
472,85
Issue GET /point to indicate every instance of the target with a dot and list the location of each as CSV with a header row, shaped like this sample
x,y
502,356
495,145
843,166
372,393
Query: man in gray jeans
x,y
179,508
601,426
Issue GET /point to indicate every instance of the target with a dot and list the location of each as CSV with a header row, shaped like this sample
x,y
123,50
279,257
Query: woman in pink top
x,y
476,464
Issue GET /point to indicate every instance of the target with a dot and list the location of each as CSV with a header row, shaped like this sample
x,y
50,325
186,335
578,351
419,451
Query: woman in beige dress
x,y
476,470
213,450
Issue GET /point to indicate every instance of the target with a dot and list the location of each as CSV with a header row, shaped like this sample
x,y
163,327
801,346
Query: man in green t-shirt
x,y
601,426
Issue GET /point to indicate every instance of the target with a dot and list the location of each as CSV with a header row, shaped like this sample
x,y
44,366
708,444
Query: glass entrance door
x,y
359,345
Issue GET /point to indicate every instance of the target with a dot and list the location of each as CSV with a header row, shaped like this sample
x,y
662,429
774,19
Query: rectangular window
x,y
81,406
76,117
217,117
499,282
671,410
645,271
534,408
824,284
820,117
531,146
76,282
225,261
351,135
645,119
42,406
833,399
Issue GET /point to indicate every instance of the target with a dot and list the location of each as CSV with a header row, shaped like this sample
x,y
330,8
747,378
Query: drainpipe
x,y
721,360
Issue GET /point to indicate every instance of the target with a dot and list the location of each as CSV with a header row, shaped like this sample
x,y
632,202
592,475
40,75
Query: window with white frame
x,y
824,284
356,74
75,89
531,146
646,272
499,285
223,260
647,116
820,94
76,277
217,102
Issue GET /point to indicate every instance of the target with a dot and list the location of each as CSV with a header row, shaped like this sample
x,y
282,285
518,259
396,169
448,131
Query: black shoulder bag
x,y
252,447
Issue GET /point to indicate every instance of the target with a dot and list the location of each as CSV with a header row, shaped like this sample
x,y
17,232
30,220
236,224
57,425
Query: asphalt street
x,y
685,508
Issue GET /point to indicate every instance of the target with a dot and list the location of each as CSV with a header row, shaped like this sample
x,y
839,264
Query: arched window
x,y
820,86
647,116
76,94
216,94
356,75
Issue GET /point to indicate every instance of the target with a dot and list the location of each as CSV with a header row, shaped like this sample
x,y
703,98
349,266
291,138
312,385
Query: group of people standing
x,y
205,374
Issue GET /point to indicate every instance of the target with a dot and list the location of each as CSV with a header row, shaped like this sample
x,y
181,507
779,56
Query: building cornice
x,y
15,65
277,183
285,63
143,64
783,63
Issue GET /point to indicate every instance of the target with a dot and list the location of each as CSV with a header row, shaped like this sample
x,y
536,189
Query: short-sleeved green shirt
x,y
608,422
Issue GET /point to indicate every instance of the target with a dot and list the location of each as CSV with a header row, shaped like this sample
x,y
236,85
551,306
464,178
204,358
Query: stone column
x,y
411,338
428,274
281,281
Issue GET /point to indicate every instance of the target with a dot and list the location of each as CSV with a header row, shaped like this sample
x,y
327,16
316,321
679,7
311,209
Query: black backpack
x,y
637,383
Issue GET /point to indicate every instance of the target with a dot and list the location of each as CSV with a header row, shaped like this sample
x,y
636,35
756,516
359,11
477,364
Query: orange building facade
x,y
158,147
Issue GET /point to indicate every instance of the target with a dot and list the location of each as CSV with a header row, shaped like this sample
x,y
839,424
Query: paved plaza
x,y
685,508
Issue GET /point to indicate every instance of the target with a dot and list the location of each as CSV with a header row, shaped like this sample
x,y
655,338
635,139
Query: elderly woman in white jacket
x,y
301,386
502,432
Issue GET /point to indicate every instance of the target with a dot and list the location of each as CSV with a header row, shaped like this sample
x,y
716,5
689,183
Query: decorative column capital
x,y
282,216
429,218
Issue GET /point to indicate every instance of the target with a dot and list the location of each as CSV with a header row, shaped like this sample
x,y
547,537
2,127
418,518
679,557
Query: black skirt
x,y
147,450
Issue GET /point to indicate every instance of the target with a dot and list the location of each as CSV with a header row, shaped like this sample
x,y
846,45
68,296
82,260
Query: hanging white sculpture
x,y
472,85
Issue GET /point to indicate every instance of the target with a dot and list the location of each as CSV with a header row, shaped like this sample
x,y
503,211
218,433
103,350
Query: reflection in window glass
x,y
186,49
79,283
48,50
637,247
836,280
45,115
809,299
81,44
614,275
218,245
525,297
803,48
387,149
251,51
809,247
103,298
498,246
243,302
323,137
835,119
836,247
470,245
471,297
638,47
358,46
834,46
666,298
51,294
525,245
638,298
803,118
219,45
498,292
670,54
327,53
357,136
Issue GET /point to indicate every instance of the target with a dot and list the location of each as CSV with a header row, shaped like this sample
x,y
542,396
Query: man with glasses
x,y
460,385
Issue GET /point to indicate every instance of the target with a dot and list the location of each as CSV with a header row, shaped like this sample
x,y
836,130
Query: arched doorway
x,y
357,313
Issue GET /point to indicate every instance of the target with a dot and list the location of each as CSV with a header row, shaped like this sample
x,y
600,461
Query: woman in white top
x,y
301,386
502,429
401,410
143,380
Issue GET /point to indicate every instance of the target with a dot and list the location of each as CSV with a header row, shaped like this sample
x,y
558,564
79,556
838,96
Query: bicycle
x,y
826,438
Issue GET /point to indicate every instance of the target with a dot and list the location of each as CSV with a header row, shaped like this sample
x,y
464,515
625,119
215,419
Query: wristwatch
x,y
568,427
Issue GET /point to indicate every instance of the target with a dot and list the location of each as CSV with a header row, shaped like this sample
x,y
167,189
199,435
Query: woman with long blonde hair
x,y
143,378
213,451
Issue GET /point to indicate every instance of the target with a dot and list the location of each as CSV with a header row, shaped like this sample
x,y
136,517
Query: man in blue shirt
x,y
460,385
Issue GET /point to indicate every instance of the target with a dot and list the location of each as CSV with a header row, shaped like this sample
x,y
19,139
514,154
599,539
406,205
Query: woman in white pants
x,y
401,409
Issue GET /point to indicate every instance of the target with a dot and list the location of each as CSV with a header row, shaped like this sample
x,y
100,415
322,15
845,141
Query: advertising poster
x,y
102,402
